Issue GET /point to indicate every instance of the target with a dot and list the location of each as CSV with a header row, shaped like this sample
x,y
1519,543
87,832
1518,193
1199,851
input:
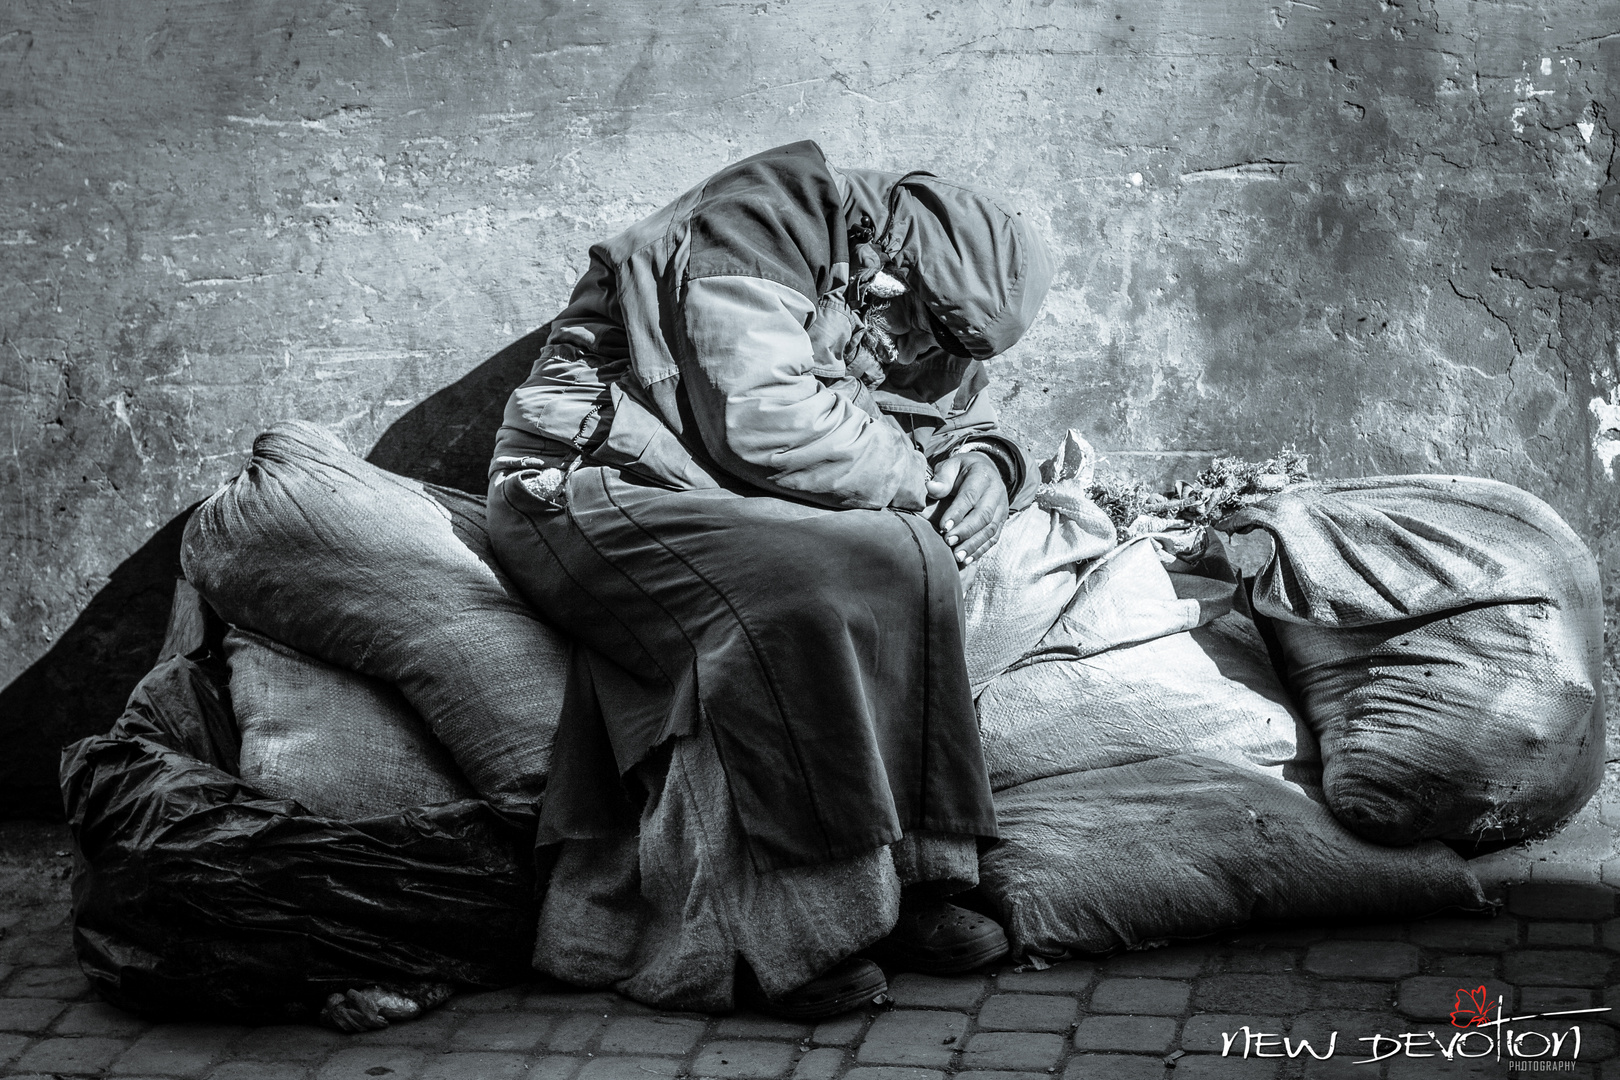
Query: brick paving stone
x,y
429,1030
1471,966
507,1031
11,1046
66,983
1550,967
1317,1028
910,990
472,1065
177,1050
258,1070
1258,961
651,1035
1540,999
71,1055
1362,959
1484,935
1012,1050
1201,1034
747,1025
913,1037
1369,932
359,1063
1027,1012
489,1000
1338,1067
1433,997
98,1018
1561,933
553,1067
1599,1042
1154,997
289,1042
1114,1067
1128,1034
822,1063
572,1001
980,1074
890,1072
1332,994
1215,1067
1068,978
1561,901
573,1033
1253,993
1174,962
839,1031
753,1059
630,1068
29,1014
1289,937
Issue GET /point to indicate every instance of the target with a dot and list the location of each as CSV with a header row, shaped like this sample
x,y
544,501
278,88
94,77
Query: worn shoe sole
x,y
968,956
847,986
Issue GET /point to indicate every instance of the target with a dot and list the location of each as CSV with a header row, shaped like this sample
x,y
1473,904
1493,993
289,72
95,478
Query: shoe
x,y
844,986
940,939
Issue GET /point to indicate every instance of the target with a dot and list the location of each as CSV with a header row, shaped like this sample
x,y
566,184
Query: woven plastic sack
x,y
340,743
1021,586
1210,691
198,896
315,548
1186,845
1443,636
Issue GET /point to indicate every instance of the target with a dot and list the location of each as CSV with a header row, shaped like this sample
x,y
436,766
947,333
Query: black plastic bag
x,y
196,896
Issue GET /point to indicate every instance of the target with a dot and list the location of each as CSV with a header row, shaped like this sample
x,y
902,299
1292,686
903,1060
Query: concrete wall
x,y
1382,231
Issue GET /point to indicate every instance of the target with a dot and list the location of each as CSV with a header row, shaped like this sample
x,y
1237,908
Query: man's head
x,y
976,271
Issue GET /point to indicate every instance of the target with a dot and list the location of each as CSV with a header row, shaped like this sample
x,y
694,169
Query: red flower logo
x,y
1473,1009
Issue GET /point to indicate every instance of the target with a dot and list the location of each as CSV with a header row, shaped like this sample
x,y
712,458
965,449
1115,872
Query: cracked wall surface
x,y
1382,232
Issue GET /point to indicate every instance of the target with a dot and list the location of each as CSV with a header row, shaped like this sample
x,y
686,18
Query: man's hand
x,y
974,503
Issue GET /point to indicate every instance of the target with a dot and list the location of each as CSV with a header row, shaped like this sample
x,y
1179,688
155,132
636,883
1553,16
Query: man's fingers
x,y
971,506
972,547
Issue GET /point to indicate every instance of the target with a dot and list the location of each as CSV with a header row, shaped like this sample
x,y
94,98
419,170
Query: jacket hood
x,y
979,267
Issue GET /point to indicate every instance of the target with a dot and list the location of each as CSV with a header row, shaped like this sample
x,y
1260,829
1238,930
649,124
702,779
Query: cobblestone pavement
x,y
1162,1013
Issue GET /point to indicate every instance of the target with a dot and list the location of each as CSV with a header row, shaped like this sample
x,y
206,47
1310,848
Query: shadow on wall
x,y
80,686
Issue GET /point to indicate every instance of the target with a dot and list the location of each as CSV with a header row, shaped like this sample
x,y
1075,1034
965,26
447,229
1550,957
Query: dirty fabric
x,y
317,549
662,915
341,743
1444,637
824,648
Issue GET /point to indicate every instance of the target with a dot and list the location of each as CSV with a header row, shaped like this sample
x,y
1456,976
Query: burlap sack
x,y
1020,587
1443,636
1186,845
313,547
341,744
1209,691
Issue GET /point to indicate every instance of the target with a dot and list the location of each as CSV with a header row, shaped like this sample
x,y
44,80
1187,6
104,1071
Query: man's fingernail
x,y
967,560
953,540
947,526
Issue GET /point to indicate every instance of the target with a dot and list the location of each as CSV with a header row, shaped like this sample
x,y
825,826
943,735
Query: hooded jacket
x,y
721,339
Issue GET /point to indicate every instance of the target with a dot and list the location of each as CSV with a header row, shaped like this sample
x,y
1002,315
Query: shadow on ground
x,y
80,686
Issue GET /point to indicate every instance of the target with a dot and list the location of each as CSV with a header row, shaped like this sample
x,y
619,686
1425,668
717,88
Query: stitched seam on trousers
x,y
753,647
569,574
653,600
927,671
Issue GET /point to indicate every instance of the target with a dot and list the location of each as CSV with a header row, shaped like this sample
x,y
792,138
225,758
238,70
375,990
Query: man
x,y
716,479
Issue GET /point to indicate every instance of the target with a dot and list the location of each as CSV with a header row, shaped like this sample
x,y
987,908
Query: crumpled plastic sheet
x,y
196,896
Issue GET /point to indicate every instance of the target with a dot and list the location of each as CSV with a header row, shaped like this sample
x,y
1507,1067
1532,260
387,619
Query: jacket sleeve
x,y
765,418
975,421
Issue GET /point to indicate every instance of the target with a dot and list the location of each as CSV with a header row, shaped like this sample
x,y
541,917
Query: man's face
x,y
906,323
